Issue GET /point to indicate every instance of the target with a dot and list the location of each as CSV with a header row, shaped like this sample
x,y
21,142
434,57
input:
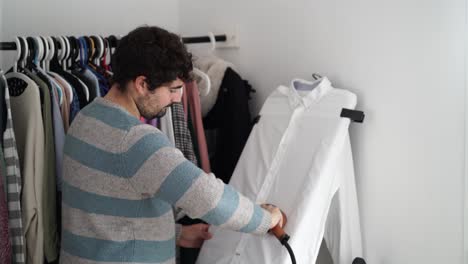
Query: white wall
x,y
83,17
405,61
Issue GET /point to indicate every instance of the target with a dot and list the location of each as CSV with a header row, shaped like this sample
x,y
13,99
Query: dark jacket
x,y
230,119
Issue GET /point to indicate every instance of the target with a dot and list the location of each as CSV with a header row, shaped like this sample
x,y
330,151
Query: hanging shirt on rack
x,y
65,107
5,246
183,142
228,124
103,82
3,110
49,186
13,182
183,139
167,127
58,135
91,82
298,156
194,105
78,97
29,133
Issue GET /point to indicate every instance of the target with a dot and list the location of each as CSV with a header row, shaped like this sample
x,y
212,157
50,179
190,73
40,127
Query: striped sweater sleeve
x,y
160,170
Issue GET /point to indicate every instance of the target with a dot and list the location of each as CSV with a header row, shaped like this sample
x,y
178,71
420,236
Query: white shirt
x,y
297,157
167,126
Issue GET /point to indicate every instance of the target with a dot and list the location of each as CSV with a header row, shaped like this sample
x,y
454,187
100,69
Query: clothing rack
x,y
113,40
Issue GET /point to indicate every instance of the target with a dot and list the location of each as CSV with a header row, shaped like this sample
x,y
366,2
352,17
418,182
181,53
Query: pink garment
x,y
193,99
153,122
184,100
5,246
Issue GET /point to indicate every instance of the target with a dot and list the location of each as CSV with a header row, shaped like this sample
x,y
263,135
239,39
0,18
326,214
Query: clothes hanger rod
x,y
186,40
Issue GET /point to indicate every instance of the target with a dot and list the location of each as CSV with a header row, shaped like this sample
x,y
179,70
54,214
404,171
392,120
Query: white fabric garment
x,y
215,68
167,126
298,156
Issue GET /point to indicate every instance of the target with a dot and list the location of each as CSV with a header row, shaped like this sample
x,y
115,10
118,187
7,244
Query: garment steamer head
x,y
279,233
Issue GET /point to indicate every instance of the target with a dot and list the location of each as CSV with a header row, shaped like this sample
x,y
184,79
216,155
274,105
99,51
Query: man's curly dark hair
x,y
153,52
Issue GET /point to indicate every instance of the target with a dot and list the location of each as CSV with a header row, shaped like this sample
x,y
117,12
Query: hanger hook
x,y
24,51
46,50
91,48
39,49
18,55
51,43
101,49
212,40
316,76
52,49
31,50
61,51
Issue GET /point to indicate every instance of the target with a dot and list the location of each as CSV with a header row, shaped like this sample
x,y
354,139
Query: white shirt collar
x,y
306,93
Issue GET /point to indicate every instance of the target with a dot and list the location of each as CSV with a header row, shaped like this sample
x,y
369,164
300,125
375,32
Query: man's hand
x,y
192,236
276,215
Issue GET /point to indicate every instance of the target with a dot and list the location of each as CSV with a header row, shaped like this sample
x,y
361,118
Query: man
x,y
122,178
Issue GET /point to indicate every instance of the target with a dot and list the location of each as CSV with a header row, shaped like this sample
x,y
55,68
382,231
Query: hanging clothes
x,y
166,126
58,134
228,124
3,111
183,139
84,73
29,133
104,85
5,239
199,131
13,182
78,98
215,68
65,106
91,82
5,246
299,136
49,186
152,122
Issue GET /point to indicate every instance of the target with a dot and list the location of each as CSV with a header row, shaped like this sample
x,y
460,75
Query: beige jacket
x,y
29,133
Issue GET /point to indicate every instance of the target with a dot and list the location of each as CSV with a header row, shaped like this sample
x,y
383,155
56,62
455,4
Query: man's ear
x,y
141,86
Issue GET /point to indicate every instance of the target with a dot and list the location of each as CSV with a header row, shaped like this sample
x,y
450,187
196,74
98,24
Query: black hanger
x,y
354,115
316,76
75,52
54,62
31,53
113,41
90,52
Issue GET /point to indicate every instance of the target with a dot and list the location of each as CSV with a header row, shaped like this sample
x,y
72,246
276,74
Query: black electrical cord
x,y
284,241
290,251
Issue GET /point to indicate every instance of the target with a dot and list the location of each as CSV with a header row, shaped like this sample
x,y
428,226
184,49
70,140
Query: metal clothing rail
x,y
113,41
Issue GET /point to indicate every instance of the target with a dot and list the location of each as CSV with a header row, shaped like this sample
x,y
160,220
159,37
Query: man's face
x,y
155,103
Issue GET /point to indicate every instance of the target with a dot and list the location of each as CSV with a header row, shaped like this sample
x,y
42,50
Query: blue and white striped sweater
x,y
121,181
